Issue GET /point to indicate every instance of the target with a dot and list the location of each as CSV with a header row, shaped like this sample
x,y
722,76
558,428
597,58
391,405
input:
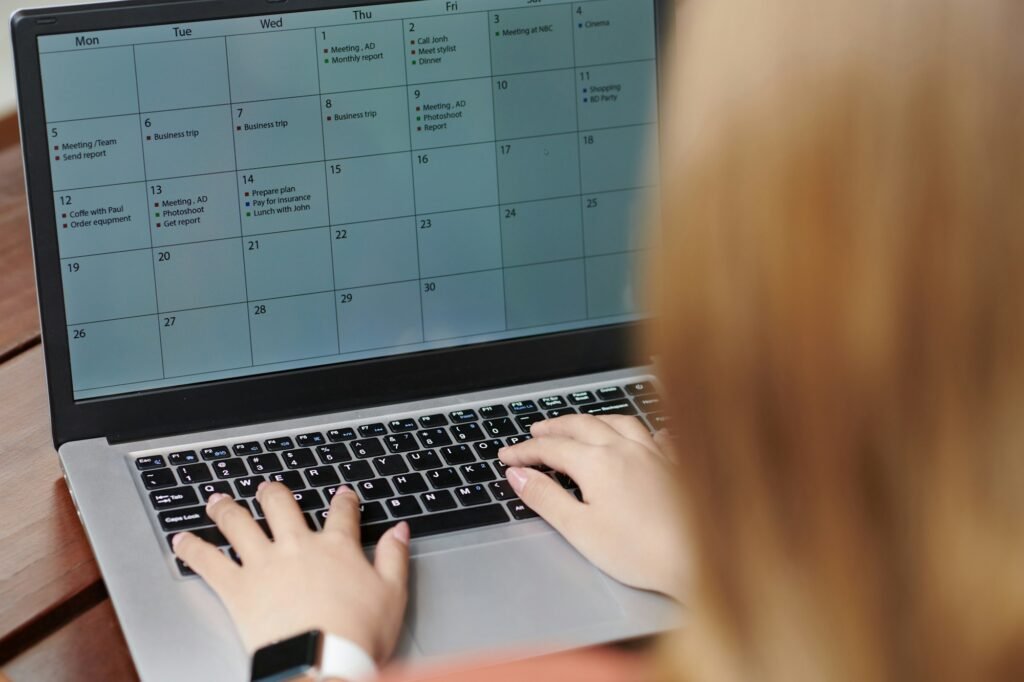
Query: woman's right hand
x,y
630,523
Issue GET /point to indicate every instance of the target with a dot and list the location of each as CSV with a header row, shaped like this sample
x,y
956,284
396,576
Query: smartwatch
x,y
311,657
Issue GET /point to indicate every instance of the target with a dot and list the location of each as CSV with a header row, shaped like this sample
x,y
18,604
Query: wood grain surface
x,y
19,319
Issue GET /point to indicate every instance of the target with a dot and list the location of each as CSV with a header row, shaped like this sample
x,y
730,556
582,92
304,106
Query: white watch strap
x,y
345,660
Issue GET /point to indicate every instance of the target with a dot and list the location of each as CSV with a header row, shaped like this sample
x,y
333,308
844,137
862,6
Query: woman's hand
x,y
302,580
629,524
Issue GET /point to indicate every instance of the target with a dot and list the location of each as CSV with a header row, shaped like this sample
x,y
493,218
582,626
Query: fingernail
x,y
401,533
516,477
262,485
345,490
214,499
176,540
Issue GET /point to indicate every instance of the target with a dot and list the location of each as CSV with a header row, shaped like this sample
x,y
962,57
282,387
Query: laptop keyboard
x,y
439,472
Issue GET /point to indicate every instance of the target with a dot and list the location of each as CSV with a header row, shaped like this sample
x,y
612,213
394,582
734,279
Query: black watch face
x,y
287,659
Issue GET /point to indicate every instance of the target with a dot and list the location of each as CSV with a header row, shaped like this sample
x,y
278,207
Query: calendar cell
x,y
277,132
103,219
266,66
447,48
531,39
199,275
375,253
370,188
539,168
361,57
611,291
545,294
459,241
288,263
539,231
463,305
109,286
96,152
193,209
188,142
71,81
618,95
283,198
207,340
610,31
169,74
620,158
452,113
296,328
366,123
380,317
455,178
115,353
611,221
534,104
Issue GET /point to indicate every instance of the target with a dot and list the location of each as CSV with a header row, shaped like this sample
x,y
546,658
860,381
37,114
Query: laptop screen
x,y
244,196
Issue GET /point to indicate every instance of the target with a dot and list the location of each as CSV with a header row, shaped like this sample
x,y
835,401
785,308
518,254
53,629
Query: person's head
x,y
840,332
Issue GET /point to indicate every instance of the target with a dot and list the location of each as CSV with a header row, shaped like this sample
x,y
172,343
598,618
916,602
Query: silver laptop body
x,y
343,242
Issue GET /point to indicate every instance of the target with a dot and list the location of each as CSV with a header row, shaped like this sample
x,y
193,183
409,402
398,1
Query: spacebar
x,y
444,522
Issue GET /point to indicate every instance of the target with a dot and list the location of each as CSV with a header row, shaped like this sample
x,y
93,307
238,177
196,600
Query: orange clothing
x,y
584,665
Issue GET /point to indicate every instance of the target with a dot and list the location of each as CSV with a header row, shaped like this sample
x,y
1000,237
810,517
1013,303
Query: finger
x,y
582,427
561,454
206,560
237,524
541,494
391,558
282,512
631,428
343,517
663,440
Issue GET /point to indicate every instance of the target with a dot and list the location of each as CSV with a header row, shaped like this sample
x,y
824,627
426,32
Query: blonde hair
x,y
840,332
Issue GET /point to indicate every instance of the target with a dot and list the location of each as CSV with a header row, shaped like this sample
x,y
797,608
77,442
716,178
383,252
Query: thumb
x,y
391,558
543,495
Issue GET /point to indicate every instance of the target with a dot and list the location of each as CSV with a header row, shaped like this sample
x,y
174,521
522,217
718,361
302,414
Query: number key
x,y
298,459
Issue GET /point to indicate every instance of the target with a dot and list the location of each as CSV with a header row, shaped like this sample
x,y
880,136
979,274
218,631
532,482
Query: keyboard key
x,y
433,438
487,449
479,472
264,464
230,468
432,421
366,448
522,407
207,489
173,498
211,535
184,519
401,442
565,481
375,429
616,407
500,468
216,452
147,463
322,475
520,511
333,454
339,435
524,420
438,501
308,440
444,478
515,440
502,490
500,428
246,485
402,425
467,433
561,412
284,443
650,403
462,416
472,495
423,460
582,398
371,512
292,479
458,454
377,489
356,471
444,522
299,459
183,457
493,412
640,388
658,421
401,507
250,448
308,500
390,465
194,473
407,484
183,568
610,393
553,402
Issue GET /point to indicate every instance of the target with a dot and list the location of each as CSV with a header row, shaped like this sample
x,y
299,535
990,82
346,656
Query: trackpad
x,y
515,592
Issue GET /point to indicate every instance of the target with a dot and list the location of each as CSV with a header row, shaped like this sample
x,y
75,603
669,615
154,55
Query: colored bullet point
x,y
56,158
325,50
248,215
149,137
327,61
158,224
56,149
246,194
238,128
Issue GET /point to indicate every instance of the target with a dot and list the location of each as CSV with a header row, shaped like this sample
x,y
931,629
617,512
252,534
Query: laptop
x,y
332,242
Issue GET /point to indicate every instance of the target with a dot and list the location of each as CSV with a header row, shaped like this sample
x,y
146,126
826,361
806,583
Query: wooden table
x,y
56,622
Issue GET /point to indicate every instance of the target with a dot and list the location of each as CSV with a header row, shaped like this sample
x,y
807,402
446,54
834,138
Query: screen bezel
x,y
252,399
